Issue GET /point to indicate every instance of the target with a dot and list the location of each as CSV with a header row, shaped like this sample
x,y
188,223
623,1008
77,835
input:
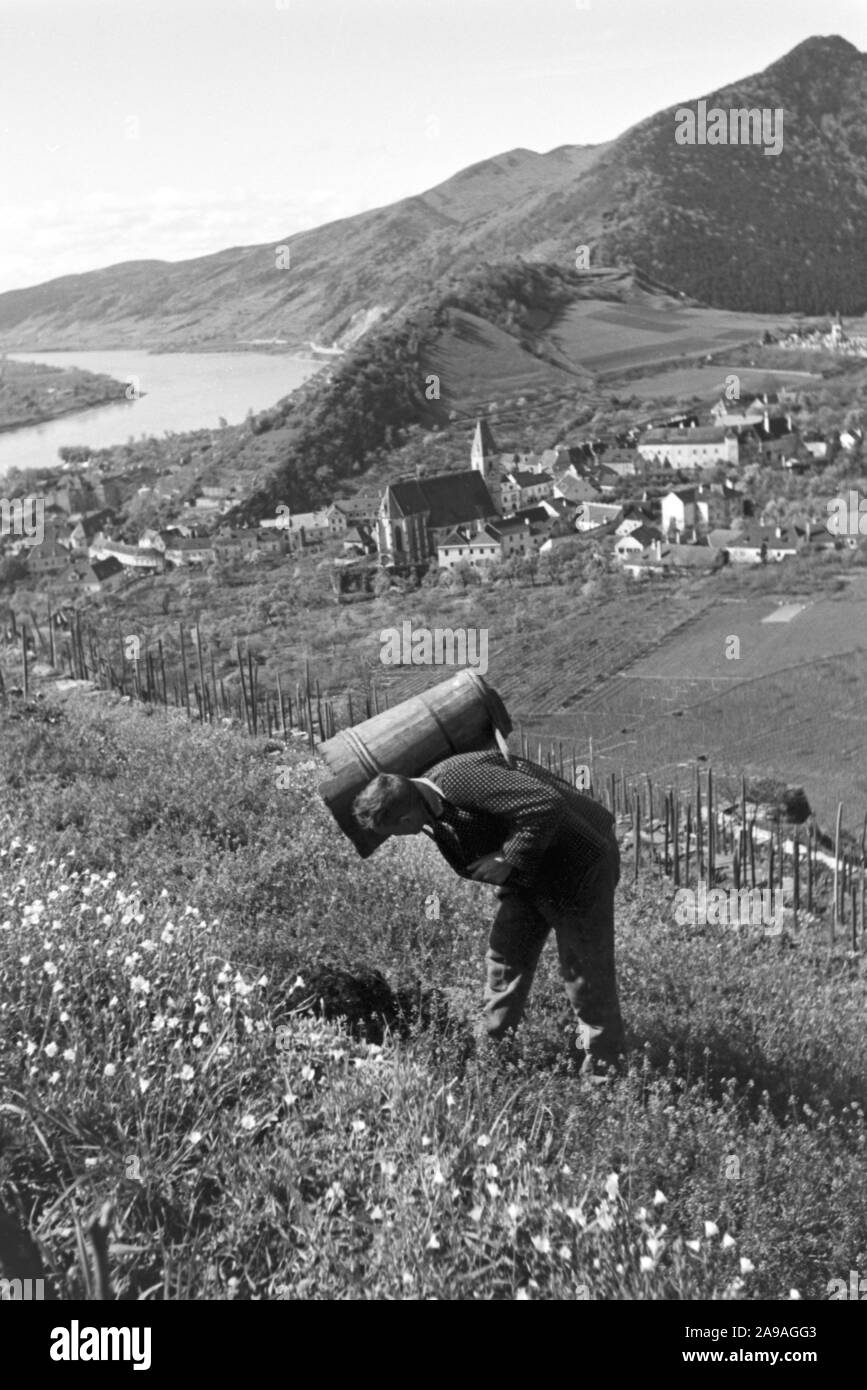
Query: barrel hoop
x,y
362,753
440,725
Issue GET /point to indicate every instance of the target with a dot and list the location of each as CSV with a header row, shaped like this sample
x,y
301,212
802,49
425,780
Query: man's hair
x,y
380,799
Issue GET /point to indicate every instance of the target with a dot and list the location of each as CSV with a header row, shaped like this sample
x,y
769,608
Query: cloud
x,y
69,235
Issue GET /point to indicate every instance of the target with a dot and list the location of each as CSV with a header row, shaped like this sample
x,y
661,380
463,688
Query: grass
x,y
264,1050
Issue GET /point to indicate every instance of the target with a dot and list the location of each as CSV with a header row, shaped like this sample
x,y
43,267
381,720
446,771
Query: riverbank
x,y
33,394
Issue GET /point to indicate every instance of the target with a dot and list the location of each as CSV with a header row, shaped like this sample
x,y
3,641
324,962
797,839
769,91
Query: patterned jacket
x,y
551,834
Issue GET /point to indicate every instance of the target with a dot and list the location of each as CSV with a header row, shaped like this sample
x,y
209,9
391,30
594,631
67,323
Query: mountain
x,y
726,224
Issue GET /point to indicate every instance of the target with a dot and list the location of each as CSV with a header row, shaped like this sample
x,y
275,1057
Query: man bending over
x,y
552,855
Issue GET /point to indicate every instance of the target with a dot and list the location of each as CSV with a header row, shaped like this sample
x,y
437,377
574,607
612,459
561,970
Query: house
x,y
236,544
363,507
107,574
475,548
310,528
415,515
272,542
758,543
626,463
637,542
131,557
772,440
189,550
593,514
679,509
91,527
815,444
573,488
690,448
47,558
357,540
152,540
522,488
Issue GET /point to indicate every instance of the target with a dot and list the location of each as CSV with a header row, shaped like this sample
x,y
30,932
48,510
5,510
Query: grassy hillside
x,y
30,392
170,918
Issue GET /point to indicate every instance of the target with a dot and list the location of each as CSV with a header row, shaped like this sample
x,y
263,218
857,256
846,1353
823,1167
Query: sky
x,y
140,129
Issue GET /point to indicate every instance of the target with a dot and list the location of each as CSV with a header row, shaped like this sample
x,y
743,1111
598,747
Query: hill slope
x,y
728,224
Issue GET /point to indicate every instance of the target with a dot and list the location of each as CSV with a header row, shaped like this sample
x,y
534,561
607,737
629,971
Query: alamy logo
x,y
838,1288
738,125
440,646
75,1343
716,907
847,519
21,1290
23,516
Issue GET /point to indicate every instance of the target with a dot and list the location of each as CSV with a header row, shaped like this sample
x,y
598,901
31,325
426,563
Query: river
x,y
179,391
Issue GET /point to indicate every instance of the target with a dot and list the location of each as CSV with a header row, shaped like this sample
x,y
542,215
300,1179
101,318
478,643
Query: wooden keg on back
x,y
460,715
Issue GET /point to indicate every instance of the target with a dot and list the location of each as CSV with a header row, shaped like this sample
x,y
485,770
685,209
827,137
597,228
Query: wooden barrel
x,y
460,715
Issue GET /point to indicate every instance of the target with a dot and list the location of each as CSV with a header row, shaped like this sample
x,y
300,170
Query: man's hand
x,y
491,868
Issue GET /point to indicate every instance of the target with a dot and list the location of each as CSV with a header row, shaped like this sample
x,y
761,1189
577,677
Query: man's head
x,y
391,805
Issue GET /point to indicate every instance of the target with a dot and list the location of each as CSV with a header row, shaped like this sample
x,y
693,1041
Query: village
x,y
663,497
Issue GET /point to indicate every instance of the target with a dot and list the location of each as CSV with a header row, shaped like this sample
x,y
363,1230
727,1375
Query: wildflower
x,y
514,1212
612,1187
711,1229
50,968
646,1264
654,1245
433,1243
659,1198
30,1048
248,1122
158,1023
290,1098
64,1017
358,1126
564,1252
109,1069
139,985
91,1162
793,1293
186,1072
308,1074
54,1078
483,1141
195,1136
492,1171
450,1100
522,1296
576,1214
376,1214
425,1141
604,1219
51,1050
476,1214
693,1245
747,1266
542,1244
69,1055
493,1190
388,1168
167,935
144,1083
727,1241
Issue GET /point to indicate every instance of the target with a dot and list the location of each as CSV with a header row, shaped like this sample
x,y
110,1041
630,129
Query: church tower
x,y
483,450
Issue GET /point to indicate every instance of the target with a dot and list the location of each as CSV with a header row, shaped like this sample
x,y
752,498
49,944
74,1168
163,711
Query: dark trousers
x,y
584,929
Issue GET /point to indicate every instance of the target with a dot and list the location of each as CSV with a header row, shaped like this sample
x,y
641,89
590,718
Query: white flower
x,y
167,935
109,1069
793,1293
646,1264
54,1078
747,1266
522,1296
513,1211
693,1245
195,1136
91,1162
51,1050
64,1017
308,1074
659,1198
139,985
476,1214
612,1187
492,1171
654,1245
186,1072
711,1229
358,1126
50,968
69,1055
493,1190
433,1243
388,1168
727,1241
158,1023
376,1214
483,1141
248,1122
144,1083
542,1244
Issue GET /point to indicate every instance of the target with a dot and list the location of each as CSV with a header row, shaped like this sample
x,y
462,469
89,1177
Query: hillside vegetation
x,y
179,939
